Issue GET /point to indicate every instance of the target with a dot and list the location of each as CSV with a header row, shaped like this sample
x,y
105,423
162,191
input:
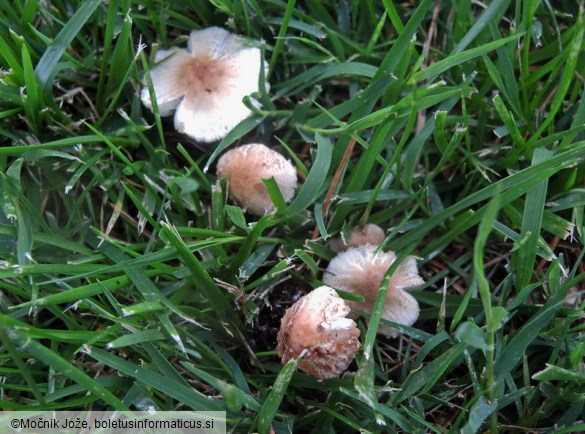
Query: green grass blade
x,y
511,354
47,65
313,185
531,225
443,65
495,9
214,295
290,6
183,394
14,330
272,403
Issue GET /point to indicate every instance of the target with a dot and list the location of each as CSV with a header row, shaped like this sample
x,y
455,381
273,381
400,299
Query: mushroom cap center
x,y
205,75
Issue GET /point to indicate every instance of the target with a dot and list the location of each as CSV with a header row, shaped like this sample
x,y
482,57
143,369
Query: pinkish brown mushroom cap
x,y
246,166
369,234
316,326
205,83
360,271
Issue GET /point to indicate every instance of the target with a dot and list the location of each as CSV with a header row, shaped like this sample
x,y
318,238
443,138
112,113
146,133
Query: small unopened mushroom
x,y
360,271
246,166
316,327
205,83
369,234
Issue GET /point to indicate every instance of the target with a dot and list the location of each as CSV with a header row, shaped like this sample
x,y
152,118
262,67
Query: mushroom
x,y
360,270
246,166
369,234
205,83
316,327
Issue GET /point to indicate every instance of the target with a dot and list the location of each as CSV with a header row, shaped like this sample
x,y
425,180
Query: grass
x,y
128,280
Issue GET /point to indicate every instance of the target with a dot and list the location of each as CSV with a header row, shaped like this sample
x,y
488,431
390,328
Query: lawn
x,y
130,279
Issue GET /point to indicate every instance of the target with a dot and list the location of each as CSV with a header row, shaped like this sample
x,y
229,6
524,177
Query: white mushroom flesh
x,y
206,83
360,271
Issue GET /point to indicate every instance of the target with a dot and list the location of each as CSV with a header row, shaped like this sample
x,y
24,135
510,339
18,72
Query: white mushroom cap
x,y
317,323
205,83
246,166
369,234
360,271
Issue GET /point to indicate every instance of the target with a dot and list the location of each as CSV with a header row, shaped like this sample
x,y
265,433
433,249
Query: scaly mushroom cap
x,y
246,166
317,323
369,234
360,271
205,83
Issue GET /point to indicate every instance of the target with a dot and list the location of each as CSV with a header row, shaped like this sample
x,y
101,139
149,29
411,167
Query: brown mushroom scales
x,y
360,270
316,327
246,166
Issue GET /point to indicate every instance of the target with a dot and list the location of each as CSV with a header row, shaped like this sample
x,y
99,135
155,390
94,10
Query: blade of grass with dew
x,y
528,177
122,55
27,375
164,366
573,56
290,6
34,102
508,76
214,295
275,194
24,239
443,65
14,331
493,315
578,121
148,290
407,33
495,9
47,65
415,147
13,62
426,98
320,73
556,373
136,338
364,378
425,378
386,411
381,138
509,122
16,151
235,397
248,245
478,413
153,98
523,259
109,36
272,403
511,354
355,427
431,343
363,104
317,175
183,394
